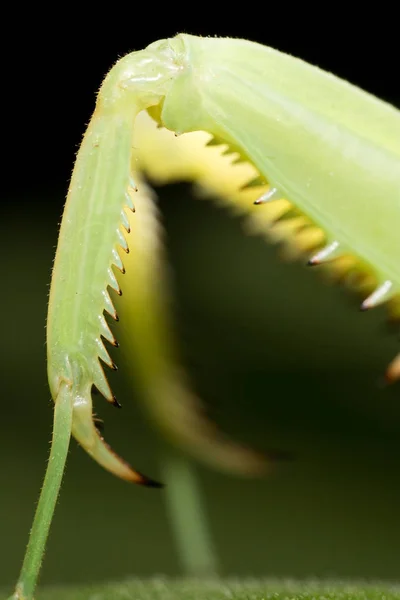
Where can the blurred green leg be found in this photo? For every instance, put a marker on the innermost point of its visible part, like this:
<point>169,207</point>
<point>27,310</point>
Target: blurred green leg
<point>48,497</point>
<point>187,515</point>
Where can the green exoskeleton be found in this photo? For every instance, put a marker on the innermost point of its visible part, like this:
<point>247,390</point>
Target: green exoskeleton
<point>323,159</point>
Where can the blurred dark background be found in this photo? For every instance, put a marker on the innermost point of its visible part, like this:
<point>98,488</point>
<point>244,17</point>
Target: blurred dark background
<point>281,358</point>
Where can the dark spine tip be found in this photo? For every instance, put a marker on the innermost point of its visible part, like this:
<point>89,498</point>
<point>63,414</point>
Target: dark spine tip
<point>114,367</point>
<point>312,263</point>
<point>115,344</point>
<point>115,403</point>
<point>151,483</point>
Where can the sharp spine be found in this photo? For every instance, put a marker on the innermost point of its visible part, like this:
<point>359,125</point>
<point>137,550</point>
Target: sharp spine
<point>269,196</point>
<point>109,306</point>
<point>117,260</point>
<point>125,221</point>
<point>122,241</point>
<point>328,253</point>
<point>381,294</point>
<point>105,331</point>
<point>115,402</point>
<point>100,381</point>
<point>132,184</point>
<point>112,281</point>
<point>102,353</point>
<point>129,201</point>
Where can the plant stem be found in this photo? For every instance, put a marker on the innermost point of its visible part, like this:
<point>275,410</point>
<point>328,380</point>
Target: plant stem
<point>48,497</point>
<point>189,521</point>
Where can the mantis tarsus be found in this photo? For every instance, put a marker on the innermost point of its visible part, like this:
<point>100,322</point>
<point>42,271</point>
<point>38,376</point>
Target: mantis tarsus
<point>323,159</point>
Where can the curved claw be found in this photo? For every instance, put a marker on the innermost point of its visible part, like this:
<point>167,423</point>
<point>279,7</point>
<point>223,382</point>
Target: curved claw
<point>86,434</point>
